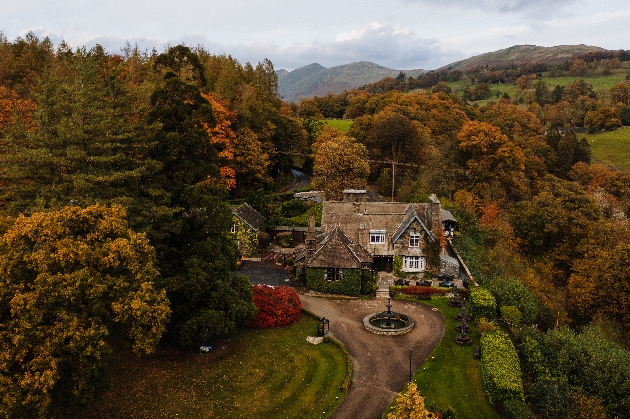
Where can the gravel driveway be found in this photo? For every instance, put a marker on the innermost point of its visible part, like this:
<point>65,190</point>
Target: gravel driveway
<point>380,363</point>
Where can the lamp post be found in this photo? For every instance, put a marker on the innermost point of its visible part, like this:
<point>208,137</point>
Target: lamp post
<point>410,352</point>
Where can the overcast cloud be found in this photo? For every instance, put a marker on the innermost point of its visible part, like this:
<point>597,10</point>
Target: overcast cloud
<point>400,34</point>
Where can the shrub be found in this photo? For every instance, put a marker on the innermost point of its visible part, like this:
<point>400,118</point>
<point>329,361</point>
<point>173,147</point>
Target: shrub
<point>500,368</point>
<point>516,409</point>
<point>484,325</point>
<point>482,304</point>
<point>422,292</point>
<point>285,240</point>
<point>277,306</point>
<point>511,315</point>
<point>512,292</point>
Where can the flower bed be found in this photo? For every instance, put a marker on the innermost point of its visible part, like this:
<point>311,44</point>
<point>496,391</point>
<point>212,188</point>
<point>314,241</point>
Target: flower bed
<point>422,292</point>
<point>277,306</point>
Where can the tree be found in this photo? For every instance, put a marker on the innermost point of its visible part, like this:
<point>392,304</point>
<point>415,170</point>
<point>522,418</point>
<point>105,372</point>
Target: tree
<point>620,93</point>
<point>340,162</point>
<point>194,252</point>
<point>409,405</point>
<point>91,144</point>
<point>74,280</point>
<point>495,164</point>
<point>603,118</point>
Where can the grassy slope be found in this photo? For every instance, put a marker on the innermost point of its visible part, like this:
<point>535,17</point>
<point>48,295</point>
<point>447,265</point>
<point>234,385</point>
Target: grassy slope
<point>611,147</point>
<point>270,373</point>
<point>451,376</point>
<point>340,124</point>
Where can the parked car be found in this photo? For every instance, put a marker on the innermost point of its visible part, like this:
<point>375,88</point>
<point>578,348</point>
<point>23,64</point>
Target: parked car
<point>447,284</point>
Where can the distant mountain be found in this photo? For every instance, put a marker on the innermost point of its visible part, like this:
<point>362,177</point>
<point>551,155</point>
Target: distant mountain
<point>315,80</point>
<point>522,54</point>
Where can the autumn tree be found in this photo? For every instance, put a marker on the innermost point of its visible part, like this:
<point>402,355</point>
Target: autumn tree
<point>74,280</point>
<point>603,118</point>
<point>409,405</point>
<point>551,224</point>
<point>620,93</point>
<point>14,109</point>
<point>494,164</point>
<point>340,162</point>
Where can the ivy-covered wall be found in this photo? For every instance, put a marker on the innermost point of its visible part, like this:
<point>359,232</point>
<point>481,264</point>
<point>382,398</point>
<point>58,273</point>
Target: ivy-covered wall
<point>350,285</point>
<point>246,236</point>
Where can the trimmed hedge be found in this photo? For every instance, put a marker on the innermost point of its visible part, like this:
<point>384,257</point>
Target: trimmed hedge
<point>422,292</point>
<point>350,285</point>
<point>500,368</point>
<point>482,304</point>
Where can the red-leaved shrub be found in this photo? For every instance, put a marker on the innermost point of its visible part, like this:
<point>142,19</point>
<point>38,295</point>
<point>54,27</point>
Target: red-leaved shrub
<point>277,306</point>
<point>421,292</point>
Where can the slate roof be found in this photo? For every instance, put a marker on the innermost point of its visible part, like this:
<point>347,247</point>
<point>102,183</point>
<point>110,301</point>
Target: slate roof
<point>413,213</point>
<point>337,250</point>
<point>447,216</point>
<point>358,218</point>
<point>249,216</point>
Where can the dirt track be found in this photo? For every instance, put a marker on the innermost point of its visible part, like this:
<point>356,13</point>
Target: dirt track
<point>380,363</point>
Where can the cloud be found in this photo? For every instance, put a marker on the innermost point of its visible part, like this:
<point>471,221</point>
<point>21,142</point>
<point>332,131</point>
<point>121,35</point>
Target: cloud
<point>389,46</point>
<point>530,8</point>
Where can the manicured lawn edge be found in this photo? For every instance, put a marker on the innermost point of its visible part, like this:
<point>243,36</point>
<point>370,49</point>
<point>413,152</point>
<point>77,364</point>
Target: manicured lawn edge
<point>329,339</point>
<point>448,362</point>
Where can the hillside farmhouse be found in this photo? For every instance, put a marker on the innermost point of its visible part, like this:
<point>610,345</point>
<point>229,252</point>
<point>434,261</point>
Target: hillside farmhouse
<point>359,237</point>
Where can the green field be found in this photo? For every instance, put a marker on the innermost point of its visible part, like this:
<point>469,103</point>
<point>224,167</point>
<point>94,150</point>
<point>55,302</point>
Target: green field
<point>271,373</point>
<point>451,376</point>
<point>598,82</point>
<point>611,148</point>
<point>340,124</point>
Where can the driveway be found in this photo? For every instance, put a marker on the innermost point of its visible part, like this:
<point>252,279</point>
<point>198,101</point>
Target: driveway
<point>380,363</point>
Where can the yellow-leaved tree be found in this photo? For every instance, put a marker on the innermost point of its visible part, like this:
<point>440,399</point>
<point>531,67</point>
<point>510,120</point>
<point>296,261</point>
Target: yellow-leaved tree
<point>410,405</point>
<point>340,162</point>
<point>73,281</point>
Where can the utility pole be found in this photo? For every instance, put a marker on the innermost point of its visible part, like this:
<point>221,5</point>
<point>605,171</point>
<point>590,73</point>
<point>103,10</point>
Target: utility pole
<point>393,178</point>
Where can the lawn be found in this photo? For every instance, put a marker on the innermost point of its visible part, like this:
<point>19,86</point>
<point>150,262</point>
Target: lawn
<point>340,124</point>
<point>611,147</point>
<point>451,376</point>
<point>271,373</point>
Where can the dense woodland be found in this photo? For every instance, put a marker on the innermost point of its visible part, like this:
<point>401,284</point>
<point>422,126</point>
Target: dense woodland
<point>116,172</point>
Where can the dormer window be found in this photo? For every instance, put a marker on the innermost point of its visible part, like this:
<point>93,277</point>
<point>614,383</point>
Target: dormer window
<point>414,239</point>
<point>377,236</point>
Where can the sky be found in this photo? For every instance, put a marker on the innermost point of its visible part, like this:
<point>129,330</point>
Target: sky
<point>398,34</point>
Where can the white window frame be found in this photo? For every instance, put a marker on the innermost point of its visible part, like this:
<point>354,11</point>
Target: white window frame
<point>414,263</point>
<point>377,236</point>
<point>234,228</point>
<point>414,239</point>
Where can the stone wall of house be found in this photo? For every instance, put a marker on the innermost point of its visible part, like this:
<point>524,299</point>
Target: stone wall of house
<point>401,246</point>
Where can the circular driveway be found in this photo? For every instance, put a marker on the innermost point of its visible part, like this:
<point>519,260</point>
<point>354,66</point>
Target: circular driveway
<point>380,363</point>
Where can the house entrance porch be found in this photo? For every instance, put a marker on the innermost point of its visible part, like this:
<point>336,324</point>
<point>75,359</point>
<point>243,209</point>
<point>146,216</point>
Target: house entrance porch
<point>383,263</point>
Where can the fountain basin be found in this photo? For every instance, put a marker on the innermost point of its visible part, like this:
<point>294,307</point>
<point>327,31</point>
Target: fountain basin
<point>382,324</point>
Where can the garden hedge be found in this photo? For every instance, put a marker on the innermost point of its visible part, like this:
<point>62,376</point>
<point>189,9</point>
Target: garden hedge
<point>482,304</point>
<point>350,285</point>
<point>500,368</point>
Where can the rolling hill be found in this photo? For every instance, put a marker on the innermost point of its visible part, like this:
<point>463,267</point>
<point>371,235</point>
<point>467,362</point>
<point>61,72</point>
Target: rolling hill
<point>316,80</point>
<point>523,54</point>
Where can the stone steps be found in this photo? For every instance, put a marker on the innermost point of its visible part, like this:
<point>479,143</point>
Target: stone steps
<point>382,293</point>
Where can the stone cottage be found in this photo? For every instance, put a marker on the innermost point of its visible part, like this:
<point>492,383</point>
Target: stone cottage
<point>360,234</point>
<point>246,223</point>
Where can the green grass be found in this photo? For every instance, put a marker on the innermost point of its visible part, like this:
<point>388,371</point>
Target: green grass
<point>451,376</point>
<point>611,148</point>
<point>271,373</point>
<point>340,124</point>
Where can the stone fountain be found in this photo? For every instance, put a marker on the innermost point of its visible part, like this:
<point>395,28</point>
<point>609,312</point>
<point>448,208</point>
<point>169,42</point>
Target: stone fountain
<point>388,322</point>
